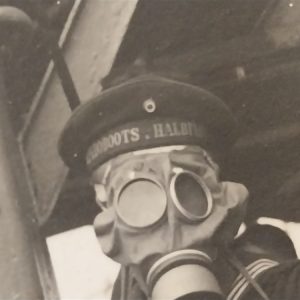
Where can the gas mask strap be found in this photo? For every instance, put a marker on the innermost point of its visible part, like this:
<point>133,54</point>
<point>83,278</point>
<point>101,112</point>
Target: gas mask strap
<point>137,275</point>
<point>124,282</point>
<point>237,264</point>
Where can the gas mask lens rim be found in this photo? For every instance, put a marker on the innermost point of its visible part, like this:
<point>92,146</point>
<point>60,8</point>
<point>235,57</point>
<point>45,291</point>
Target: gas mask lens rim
<point>148,199</point>
<point>178,202</point>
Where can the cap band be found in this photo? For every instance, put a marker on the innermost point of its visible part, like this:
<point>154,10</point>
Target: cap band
<point>144,134</point>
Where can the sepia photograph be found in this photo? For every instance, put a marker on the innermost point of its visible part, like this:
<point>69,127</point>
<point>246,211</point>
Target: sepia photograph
<point>149,149</point>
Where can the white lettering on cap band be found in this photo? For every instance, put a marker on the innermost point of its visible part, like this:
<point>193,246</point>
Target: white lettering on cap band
<point>147,133</point>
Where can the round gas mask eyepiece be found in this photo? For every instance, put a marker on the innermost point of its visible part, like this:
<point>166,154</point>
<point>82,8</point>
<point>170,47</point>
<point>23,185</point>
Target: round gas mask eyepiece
<point>191,196</point>
<point>141,203</point>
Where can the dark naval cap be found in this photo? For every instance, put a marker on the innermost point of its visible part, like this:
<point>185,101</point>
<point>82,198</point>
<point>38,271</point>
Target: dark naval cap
<point>145,112</point>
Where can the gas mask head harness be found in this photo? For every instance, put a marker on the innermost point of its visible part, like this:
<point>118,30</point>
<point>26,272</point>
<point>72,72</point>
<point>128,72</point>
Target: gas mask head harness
<point>164,212</point>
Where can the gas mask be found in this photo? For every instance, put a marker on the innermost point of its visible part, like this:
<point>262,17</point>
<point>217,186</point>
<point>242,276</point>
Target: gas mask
<point>165,214</point>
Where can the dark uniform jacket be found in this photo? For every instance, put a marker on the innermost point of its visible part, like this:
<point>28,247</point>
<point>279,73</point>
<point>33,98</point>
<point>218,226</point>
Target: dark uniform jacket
<point>278,281</point>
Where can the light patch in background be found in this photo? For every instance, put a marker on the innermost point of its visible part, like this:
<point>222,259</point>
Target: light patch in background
<point>82,271</point>
<point>241,230</point>
<point>292,229</point>
<point>274,222</point>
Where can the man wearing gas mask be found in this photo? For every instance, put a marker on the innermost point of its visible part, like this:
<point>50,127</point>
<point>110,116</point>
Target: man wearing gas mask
<point>152,147</point>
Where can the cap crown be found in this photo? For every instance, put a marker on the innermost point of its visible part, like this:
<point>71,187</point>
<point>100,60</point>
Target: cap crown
<point>138,101</point>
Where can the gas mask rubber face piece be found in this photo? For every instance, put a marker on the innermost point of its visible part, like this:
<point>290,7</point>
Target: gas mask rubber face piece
<point>164,215</point>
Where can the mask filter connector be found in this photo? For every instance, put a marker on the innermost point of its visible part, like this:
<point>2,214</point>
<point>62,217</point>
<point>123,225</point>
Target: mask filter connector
<point>187,272</point>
